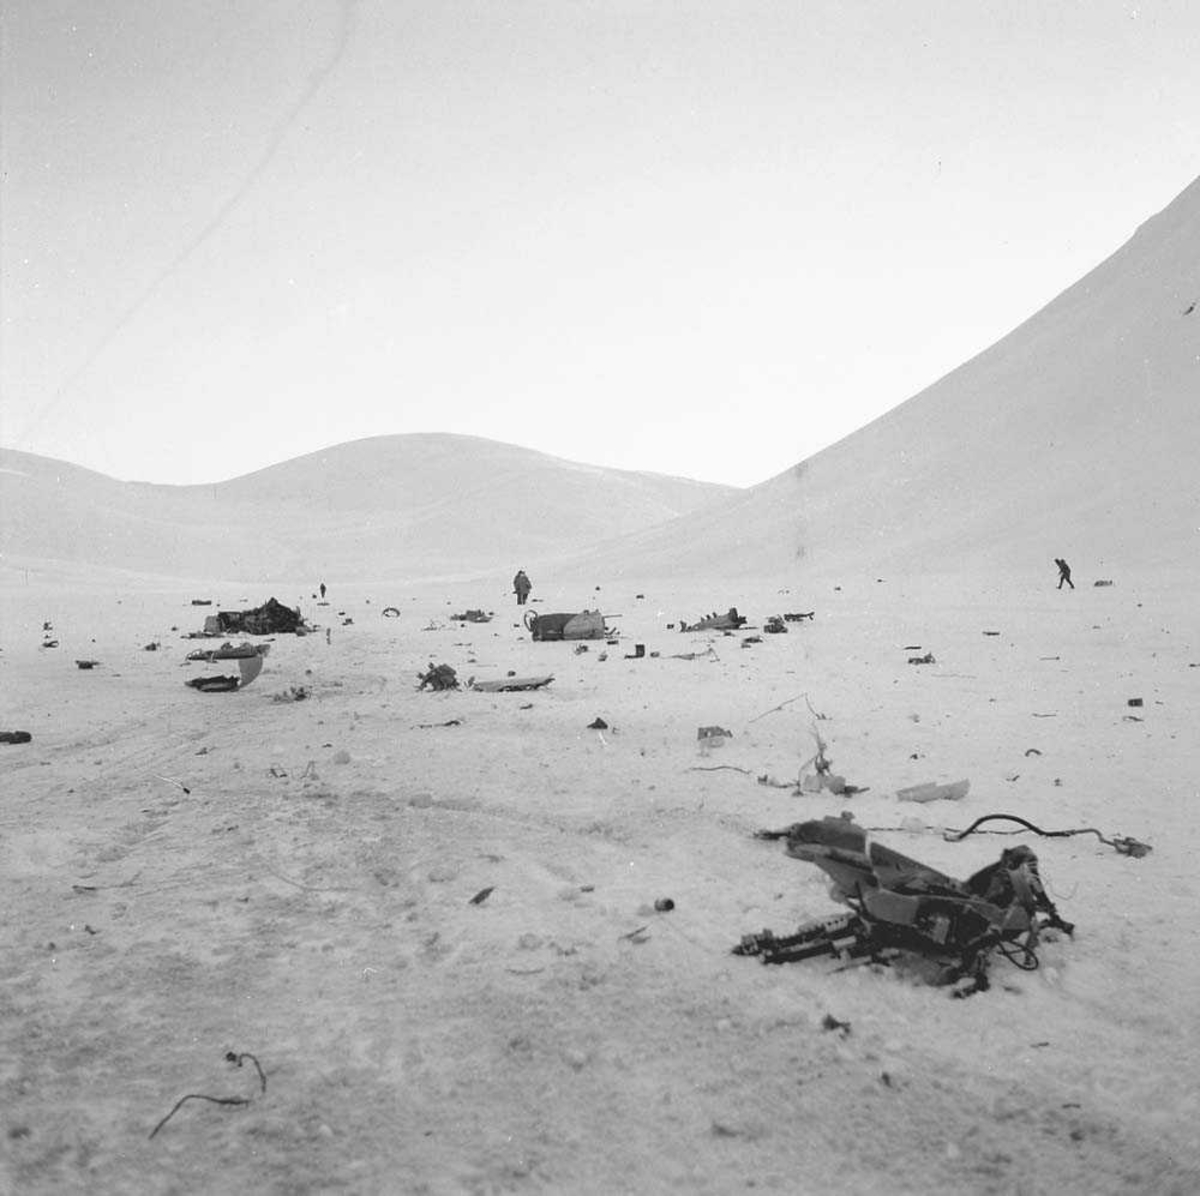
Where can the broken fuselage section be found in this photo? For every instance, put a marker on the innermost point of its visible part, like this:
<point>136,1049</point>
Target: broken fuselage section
<point>904,911</point>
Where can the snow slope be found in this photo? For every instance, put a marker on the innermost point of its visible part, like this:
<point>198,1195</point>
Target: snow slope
<point>394,506</point>
<point>1076,435</point>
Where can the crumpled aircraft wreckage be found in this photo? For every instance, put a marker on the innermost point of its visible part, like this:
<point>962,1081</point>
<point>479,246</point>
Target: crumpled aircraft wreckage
<point>905,913</point>
<point>581,625</point>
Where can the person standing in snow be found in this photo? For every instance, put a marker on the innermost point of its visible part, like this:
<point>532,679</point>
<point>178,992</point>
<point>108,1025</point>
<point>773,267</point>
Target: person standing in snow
<point>521,587</point>
<point>1064,573</point>
<point>322,591</point>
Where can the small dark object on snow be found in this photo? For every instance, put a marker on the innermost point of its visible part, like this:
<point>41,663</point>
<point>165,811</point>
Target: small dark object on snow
<point>639,650</point>
<point>928,658</point>
<point>91,664</point>
<point>775,626</point>
<point>1032,752</point>
<point>798,616</point>
<point>150,647</point>
<point>236,1060</point>
<point>482,895</point>
<point>664,905</point>
<point>202,602</point>
<point>472,616</point>
<point>597,724</point>
<point>713,733</point>
<point>1103,582</point>
<point>751,639</point>
<point>15,737</point>
<point>1135,702</point>
<point>829,1022</point>
<point>438,676</point>
<point>903,909</point>
<point>991,633</point>
<point>390,612</point>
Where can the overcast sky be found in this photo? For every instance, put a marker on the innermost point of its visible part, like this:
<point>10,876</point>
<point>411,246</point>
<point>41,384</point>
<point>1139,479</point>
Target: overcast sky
<point>702,237</point>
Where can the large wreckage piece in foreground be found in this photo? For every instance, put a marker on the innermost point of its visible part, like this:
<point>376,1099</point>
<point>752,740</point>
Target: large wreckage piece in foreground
<point>904,911</point>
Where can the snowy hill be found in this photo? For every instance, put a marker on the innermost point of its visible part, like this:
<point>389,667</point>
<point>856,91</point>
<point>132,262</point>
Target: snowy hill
<point>1076,435</point>
<point>388,507</point>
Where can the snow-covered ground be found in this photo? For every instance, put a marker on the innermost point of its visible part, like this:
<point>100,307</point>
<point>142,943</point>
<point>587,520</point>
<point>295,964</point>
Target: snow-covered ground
<point>184,874</point>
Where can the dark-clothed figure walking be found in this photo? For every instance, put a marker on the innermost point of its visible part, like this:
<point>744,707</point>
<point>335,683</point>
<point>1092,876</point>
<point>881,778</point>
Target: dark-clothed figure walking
<point>322,591</point>
<point>521,587</point>
<point>1064,573</point>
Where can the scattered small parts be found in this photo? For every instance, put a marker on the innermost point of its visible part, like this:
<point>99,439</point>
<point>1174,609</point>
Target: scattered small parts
<point>15,737</point>
<point>954,791</point>
<point>582,625</point>
<point>729,621</point>
<point>928,658</point>
<point>438,676</point>
<point>510,684</point>
<point>775,625</point>
<point>902,911</point>
<point>597,724</point>
<point>580,649</point>
<point>230,1057</point>
<point>294,693</point>
<point>471,616</point>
